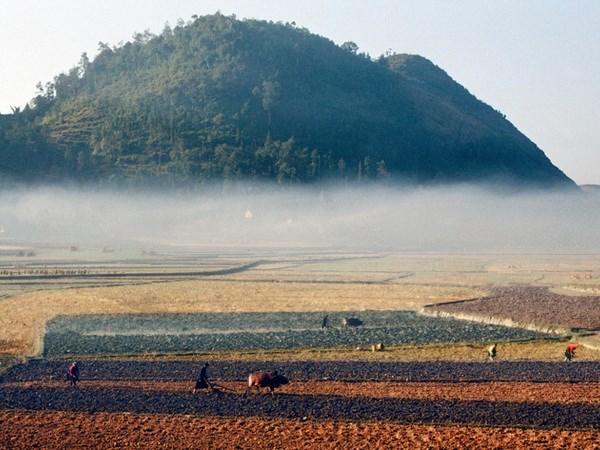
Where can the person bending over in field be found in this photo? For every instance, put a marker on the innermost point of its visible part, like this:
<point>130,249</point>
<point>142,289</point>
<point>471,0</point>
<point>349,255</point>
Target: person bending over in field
<point>202,381</point>
<point>73,375</point>
<point>492,351</point>
<point>570,352</point>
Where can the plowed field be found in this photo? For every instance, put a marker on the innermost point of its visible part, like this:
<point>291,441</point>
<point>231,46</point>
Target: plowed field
<point>50,429</point>
<point>531,304</point>
<point>146,404</point>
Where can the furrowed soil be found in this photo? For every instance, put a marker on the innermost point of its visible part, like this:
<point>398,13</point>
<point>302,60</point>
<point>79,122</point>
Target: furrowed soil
<point>531,304</point>
<point>563,393</point>
<point>410,396</point>
<point>50,429</point>
<point>539,395</point>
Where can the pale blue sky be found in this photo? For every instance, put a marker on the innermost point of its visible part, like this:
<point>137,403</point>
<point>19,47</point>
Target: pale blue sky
<point>536,61</point>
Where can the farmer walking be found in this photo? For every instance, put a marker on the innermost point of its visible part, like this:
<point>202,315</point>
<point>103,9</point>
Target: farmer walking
<point>73,375</point>
<point>202,381</point>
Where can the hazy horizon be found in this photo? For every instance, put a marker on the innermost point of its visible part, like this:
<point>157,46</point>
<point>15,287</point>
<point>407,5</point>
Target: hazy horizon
<point>376,218</point>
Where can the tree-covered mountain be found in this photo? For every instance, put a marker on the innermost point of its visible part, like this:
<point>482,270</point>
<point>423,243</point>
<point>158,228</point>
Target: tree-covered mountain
<point>219,98</point>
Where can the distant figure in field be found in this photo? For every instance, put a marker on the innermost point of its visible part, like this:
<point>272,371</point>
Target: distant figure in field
<point>378,347</point>
<point>492,351</point>
<point>202,381</point>
<point>325,321</point>
<point>570,352</point>
<point>351,322</point>
<point>73,375</point>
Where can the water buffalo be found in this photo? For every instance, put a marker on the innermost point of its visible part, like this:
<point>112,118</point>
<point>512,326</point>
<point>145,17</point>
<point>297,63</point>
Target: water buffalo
<point>351,322</point>
<point>269,380</point>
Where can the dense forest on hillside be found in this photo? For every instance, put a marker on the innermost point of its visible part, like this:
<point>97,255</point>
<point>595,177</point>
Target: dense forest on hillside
<point>219,98</point>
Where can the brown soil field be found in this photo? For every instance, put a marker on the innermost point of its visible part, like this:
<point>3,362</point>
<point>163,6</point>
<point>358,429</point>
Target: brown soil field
<point>149,405</point>
<point>528,394</point>
<point>564,393</point>
<point>532,304</point>
<point>67,430</point>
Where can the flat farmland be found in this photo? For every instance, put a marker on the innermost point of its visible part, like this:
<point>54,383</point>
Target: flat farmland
<point>327,405</point>
<point>262,310</point>
<point>186,284</point>
<point>62,282</point>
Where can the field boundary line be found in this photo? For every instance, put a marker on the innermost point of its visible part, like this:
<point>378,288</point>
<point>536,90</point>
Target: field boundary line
<point>230,270</point>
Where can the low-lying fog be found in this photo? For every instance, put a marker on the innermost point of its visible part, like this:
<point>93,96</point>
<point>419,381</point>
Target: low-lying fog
<point>374,218</point>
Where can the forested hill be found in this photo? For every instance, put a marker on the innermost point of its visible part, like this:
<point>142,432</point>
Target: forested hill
<point>218,98</point>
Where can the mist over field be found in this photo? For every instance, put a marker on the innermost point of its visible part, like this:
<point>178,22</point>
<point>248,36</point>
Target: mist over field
<point>379,218</point>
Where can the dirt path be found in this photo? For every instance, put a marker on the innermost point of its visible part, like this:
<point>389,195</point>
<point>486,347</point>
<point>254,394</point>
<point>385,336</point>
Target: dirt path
<point>133,275</point>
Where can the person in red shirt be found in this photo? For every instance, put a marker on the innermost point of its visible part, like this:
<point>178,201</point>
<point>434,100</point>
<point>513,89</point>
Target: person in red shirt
<point>73,375</point>
<point>570,352</point>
